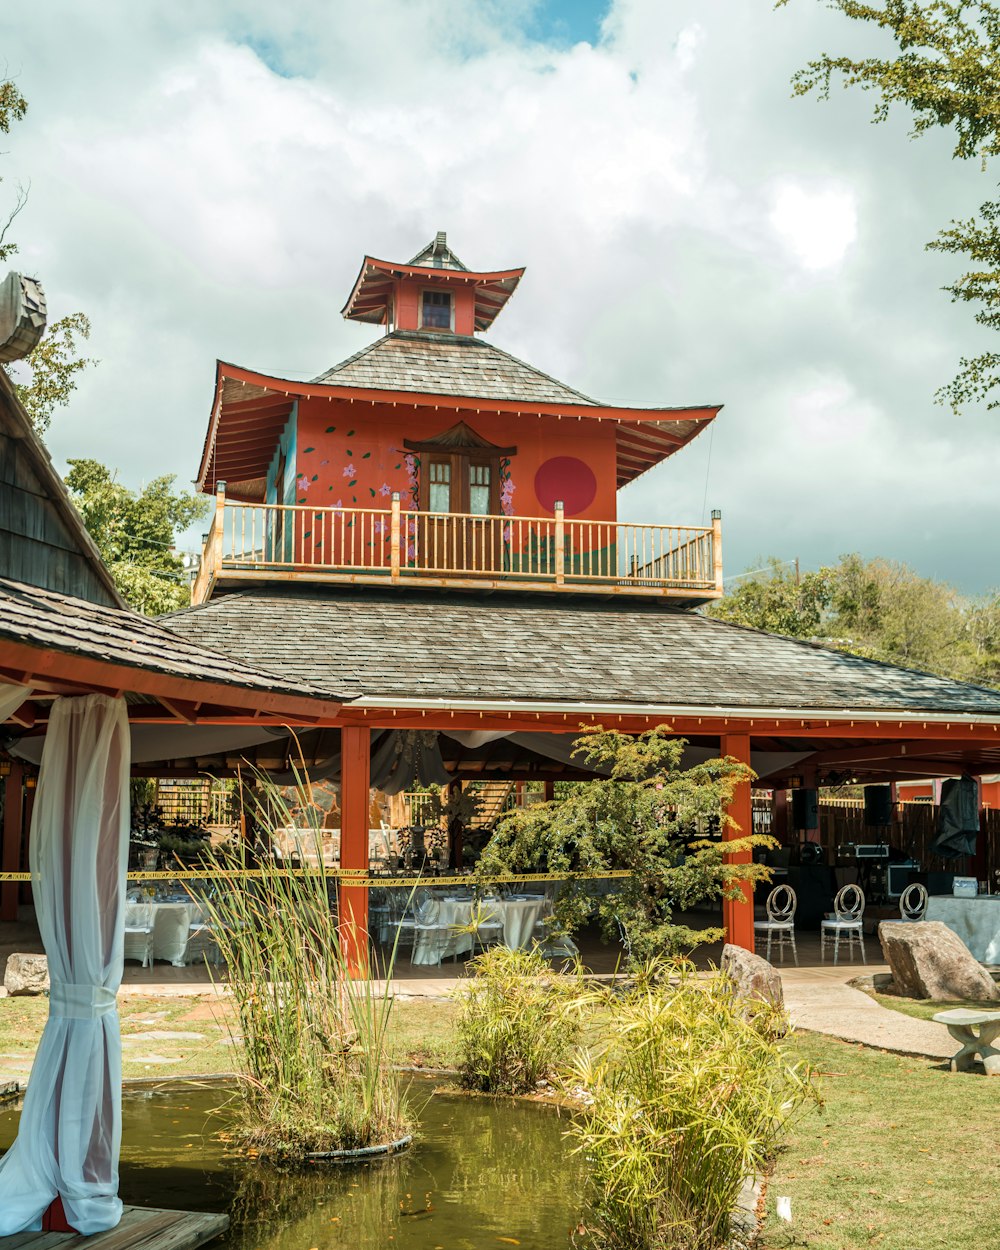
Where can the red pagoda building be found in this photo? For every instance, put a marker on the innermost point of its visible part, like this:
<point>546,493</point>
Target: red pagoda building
<point>432,457</point>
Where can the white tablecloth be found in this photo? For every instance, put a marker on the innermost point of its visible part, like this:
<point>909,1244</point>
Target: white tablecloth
<point>975,920</point>
<point>520,916</point>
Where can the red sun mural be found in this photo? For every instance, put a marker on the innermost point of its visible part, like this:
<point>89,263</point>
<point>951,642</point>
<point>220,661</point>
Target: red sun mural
<point>568,479</point>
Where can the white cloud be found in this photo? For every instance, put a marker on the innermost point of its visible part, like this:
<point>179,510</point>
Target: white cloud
<point>206,178</point>
<point>816,224</point>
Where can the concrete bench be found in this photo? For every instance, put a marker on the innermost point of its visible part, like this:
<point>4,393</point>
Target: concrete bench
<point>962,1025</point>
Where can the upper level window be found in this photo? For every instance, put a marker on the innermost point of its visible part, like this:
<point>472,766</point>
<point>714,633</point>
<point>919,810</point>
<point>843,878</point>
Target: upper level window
<point>436,310</point>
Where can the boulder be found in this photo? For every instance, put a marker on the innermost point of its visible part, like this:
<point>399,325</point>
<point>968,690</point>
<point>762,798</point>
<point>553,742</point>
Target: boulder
<point>754,977</point>
<point>928,960</point>
<point>26,974</point>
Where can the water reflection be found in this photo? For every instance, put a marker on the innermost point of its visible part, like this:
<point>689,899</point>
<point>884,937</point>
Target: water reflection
<point>480,1171</point>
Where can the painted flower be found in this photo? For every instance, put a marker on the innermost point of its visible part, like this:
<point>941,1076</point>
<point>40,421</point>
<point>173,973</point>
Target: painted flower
<point>303,482</point>
<point>385,489</point>
<point>506,533</point>
<point>411,550</point>
<point>349,470</point>
<point>377,527</point>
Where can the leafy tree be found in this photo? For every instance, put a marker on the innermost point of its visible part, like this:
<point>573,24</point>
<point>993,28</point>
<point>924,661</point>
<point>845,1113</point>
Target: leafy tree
<point>54,364</point>
<point>780,602</point>
<point>649,818</point>
<point>13,106</point>
<point>135,533</point>
<point>947,72</point>
<point>879,609</point>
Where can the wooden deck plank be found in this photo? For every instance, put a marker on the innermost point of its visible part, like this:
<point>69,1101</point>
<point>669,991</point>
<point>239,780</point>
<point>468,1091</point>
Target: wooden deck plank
<point>141,1228</point>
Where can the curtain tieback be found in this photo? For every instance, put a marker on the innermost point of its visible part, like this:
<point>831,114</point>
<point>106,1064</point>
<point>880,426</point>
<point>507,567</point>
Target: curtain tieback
<point>80,1002</point>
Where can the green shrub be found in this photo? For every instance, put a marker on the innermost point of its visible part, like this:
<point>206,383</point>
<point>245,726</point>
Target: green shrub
<point>312,1041</point>
<point>517,1021</point>
<point>687,1095</point>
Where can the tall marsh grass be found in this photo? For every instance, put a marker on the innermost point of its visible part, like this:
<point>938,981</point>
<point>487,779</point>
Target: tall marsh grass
<point>686,1095</point>
<point>517,1023</point>
<point>311,1041</point>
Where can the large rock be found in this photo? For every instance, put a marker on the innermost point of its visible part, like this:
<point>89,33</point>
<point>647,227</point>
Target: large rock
<point>928,960</point>
<point>754,977</point>
<point>26,974</point>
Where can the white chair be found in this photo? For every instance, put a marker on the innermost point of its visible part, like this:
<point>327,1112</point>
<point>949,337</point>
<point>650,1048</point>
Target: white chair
<point>170,932</point>
<point>846,922</point>
<point>139,932</point>
<point>779,927</point>
<point>431,938</point>
<point>913,902</point>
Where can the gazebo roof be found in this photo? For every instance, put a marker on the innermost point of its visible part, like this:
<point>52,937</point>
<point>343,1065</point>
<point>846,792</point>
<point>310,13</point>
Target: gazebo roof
<point>448,646</point>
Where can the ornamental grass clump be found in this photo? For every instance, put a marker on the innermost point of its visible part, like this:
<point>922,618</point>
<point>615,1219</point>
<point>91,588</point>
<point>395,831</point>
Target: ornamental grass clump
<point>686,1095</point>
<point>311,1040</point>
<point>518,1021</point>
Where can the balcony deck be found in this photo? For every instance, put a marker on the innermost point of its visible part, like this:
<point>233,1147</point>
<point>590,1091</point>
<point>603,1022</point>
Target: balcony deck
<point>375,547</point>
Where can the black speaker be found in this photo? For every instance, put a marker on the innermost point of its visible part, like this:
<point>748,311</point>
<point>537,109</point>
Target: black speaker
<point>878,806</point>
<point>805,809</point>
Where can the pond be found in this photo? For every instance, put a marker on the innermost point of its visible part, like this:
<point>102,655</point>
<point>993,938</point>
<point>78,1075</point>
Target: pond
<point>480,1174</point>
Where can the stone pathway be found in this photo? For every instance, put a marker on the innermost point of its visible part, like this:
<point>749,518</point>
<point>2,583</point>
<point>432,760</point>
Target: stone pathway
<point>819,999</point>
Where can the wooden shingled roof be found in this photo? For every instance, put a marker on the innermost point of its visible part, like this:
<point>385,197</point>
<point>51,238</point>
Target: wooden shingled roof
<point>440,370</point>
<point>447,647</point>
<point>45,636</point>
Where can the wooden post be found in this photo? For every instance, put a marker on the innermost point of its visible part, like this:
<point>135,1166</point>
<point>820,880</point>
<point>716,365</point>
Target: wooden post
<point>13,825</point>
<point>560,543</point>
<point>550,790</point>
<point>717,548</point>
<point>737,914</point>
<point>355,785</point>
<point>394,528</point>
<point>220,521</point>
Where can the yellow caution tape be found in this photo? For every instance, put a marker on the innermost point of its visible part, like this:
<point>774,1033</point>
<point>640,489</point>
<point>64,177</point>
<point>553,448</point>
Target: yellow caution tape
<point>351,876</point>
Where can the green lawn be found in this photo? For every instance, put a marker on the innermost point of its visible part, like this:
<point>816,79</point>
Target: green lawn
<point>421,1034</point>
<point>901,1156</point>
<point>925,1009</point>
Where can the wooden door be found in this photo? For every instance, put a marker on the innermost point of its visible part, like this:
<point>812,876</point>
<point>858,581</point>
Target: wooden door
<point>461,531</point>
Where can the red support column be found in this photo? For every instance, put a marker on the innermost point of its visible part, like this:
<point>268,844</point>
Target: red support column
<point>13,825</point>
<point>355,786</point>
<point>737,914</point>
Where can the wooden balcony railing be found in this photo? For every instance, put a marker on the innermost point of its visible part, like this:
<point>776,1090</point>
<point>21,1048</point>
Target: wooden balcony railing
<point>393,546</point>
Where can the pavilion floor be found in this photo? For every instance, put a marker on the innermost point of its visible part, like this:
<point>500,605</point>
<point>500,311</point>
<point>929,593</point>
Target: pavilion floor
<point>599,957</point>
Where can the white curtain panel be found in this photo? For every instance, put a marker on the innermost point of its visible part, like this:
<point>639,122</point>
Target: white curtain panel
<point>70,1130</point>
<point>11,698</point>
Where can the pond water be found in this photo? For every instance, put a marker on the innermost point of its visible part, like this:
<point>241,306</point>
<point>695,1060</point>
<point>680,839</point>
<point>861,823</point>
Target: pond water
<point>480,1174</point>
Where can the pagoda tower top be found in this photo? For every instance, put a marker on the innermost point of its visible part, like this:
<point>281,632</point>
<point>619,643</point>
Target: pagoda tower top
<point>434,292</point>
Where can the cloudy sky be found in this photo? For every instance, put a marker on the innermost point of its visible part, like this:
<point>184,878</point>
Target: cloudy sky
<point>205,178</point>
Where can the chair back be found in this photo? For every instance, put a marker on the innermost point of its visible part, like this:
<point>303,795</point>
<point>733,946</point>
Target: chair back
<point>139,916</point>
<point>913,901</point>
<point>426,911</point>
<point>781,904</point>
<point>849,904</point>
